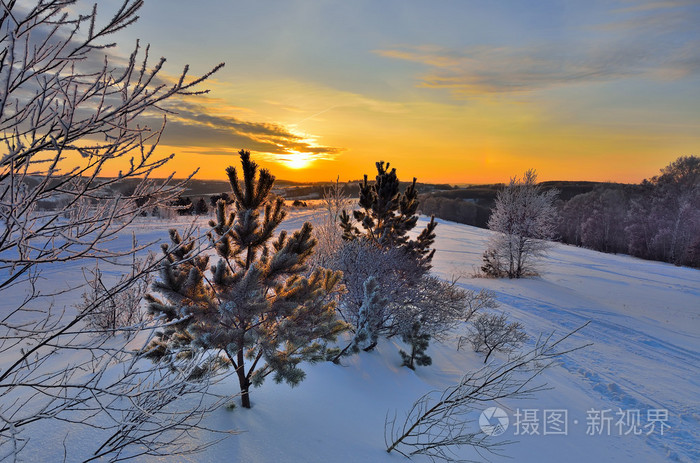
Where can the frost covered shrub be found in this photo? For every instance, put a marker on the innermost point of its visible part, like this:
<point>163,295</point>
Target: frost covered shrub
<point>492,332</point>
<point>121,311</point>
<point>386,293</point>
<point>524,218</point>
<point>367,270</point>
<point>327,231</point>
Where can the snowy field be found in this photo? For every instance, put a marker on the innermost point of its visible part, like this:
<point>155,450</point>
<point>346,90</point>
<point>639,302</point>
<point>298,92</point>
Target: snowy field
<point>645,356</point>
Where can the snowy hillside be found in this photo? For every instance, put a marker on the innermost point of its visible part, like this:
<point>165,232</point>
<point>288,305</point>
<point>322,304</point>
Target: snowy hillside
<point>646,356</point>
<point>645,330</point>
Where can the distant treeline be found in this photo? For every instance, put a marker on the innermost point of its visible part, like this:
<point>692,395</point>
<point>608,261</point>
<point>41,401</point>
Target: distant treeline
<point>351,188</point>
<point>472,205</point>
<point>658,219</point>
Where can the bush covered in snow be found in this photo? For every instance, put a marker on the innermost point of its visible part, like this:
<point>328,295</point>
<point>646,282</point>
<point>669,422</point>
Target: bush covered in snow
<point>524,218</point>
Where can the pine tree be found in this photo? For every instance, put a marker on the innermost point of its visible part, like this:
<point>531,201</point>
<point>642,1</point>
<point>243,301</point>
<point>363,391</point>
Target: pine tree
<point>213,199</point>
<point>254,307</point>
<point>418,341</point>
<point>387,215</point>
<point>378,244</point>
<point>201,207</point>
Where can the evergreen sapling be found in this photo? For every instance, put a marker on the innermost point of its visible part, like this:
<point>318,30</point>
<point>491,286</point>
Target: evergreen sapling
<point>418,341</point>
<point>255,309</point>
<point>386,216</point>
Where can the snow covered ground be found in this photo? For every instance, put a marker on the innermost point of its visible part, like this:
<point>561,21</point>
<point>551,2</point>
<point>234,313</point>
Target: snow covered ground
<point>645,330</point>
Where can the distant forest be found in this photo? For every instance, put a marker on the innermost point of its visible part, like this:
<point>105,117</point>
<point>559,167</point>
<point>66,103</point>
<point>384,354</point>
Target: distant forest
<point>658,219</point>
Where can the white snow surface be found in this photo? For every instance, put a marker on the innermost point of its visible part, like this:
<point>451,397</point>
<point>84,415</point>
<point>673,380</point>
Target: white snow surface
<point>645,330</point>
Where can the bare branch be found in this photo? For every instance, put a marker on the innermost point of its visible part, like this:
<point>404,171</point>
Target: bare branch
<point>69,110</point>
<point>439,423</point>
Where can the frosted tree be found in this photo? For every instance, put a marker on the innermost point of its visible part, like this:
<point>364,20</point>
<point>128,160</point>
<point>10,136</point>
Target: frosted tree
<point>326,229</point>
<point>524,218</point>
<point>254,310</point>
<point>370,320</point>
<point>604,226</point>
<point>71,112</point>
<point>494,333</point>
<point>118,312</point>
<point>379,250</point>
<point>658,219</point>
<point>663,222</point>
<point>572,214</point>
<point>335,201</point>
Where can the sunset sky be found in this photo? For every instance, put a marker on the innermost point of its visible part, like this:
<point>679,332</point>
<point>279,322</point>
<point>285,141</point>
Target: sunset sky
<point>451,91</point>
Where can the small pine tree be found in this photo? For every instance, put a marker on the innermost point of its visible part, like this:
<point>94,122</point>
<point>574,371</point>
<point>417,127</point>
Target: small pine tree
<point>255,308</point>
<point>201,207</point>
<point>492,265</point>
<point>386,216</point>
<point>419,342</point>
<point>370,319</point>
<point>214,199</point>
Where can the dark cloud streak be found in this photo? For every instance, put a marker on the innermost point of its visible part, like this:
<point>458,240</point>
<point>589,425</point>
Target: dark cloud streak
<point>194,124</point>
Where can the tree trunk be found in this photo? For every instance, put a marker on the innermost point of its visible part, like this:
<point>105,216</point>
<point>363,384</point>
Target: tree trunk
<point>413,356</point>
<point>243,380</point>
<point>336,359</point>
<point>245,396</point>
<point>244,384</point>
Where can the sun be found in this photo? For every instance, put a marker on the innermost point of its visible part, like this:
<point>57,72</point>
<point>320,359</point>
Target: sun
<point>296,160</point>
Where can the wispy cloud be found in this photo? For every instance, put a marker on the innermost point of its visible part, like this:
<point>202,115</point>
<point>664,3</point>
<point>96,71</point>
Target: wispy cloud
<point>650,39</point>
<point>654,6</point>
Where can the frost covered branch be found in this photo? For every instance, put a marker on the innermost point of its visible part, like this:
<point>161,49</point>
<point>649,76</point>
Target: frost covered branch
<point>71,112</point>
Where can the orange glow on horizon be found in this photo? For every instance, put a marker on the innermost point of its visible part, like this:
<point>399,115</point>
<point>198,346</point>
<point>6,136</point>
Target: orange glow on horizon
<point>484,141</point>
<point>489,168</point>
